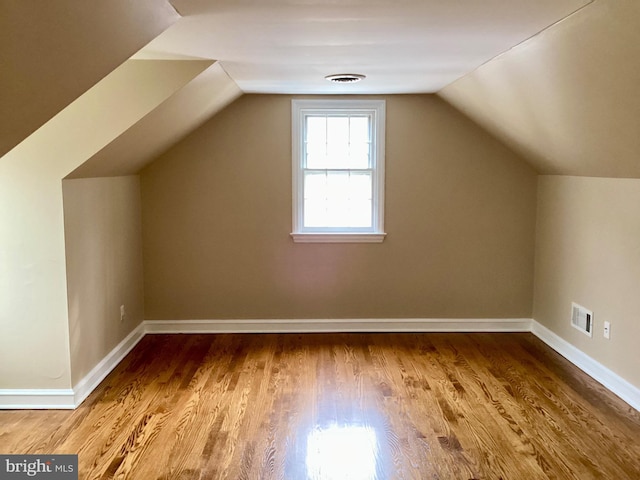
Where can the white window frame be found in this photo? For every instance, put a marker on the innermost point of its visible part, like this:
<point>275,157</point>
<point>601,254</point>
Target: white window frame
<point>300,109</point>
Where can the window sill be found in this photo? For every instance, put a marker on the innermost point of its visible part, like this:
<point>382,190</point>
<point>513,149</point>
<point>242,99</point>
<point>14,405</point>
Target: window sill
<point>338,237</point>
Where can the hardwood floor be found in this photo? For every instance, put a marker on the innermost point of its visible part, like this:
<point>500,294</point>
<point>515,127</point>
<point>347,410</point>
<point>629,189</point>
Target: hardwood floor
<point>340,406</point>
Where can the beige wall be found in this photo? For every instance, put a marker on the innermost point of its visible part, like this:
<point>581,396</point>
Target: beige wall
<point>588,251</point>
<point>567,99</point>
<point>460,218</point>
<point>34,342</point>
<point>54,51</point>
<point>103,237</point>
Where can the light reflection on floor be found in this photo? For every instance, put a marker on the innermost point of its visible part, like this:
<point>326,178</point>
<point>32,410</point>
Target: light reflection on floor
<point>348,452</point>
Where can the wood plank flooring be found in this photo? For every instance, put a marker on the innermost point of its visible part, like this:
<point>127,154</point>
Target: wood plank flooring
<point>340,406</point>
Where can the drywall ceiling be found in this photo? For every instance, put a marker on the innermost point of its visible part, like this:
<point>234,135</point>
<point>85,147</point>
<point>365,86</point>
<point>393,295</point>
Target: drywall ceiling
<point>568,99</point>
<point>51,52</point>
<point>178,115</point>
<point>403,46</point>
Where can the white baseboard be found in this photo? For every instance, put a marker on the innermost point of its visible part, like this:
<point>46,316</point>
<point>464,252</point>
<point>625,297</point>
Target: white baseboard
<point>41,399</point>
<point>71,398</point>
<point>89,383</point>
<point>37,399</point>
<point>373,325</point>
<point>591,367</point>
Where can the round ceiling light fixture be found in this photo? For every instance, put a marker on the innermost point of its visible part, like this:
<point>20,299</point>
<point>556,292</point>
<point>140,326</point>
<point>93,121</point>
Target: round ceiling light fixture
<point>345,77</point>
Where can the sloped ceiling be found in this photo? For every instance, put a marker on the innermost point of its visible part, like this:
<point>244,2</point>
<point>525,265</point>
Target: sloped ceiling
<point>184,111</point>
<point>403,46</point>
<point>53,51</point>
<point>288,46</point>
<point>565,98</point>
<point>94,119</point>
<point>569,98</point>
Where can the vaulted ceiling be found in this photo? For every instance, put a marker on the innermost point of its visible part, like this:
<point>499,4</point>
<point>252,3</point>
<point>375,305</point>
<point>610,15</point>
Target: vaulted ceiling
<point>52,52</point>
<point>402,46</point>
<point>554,79</point>
<point>569,99</point>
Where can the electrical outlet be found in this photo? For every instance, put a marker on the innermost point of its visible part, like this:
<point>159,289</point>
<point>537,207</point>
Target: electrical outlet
<point>607,330</point>
<point>123,313</point>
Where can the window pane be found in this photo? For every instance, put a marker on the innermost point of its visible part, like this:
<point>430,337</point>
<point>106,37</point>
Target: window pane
<point>360,186</point>
<point>337,199</point>
<point>317,147</point>
<point>337,156</point>
<point>360,213</point>
<point>315,185</point>
<point>359,130</point>
<point>316,130</point>
<point>337,212</point>
<point>359,141</point>
<point>316,160</point>
<point>316,142</point>
<point>315,213</point>
<point>338,130</point>
<point>338,186</point>
<point>337,142</point>
<point>359,156</point>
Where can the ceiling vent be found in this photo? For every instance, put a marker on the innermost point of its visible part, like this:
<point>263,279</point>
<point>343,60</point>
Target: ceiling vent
<point>345,78</point>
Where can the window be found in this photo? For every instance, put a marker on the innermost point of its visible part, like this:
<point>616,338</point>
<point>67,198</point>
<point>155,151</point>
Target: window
<point>338,170</point>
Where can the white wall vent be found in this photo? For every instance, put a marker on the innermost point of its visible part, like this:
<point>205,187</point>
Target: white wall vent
<point>582,319</point>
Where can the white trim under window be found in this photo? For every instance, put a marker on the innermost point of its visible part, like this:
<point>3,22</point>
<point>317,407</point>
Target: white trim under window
<point>338,170</point>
